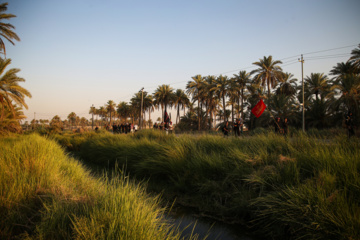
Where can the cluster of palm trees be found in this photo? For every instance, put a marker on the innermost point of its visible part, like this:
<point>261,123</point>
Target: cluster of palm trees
<point>12,95</point>
<point>211,99</point>
<point>163,97</point>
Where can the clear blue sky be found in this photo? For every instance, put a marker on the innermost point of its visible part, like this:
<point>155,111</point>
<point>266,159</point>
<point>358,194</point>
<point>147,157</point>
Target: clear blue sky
<point>75,53</point>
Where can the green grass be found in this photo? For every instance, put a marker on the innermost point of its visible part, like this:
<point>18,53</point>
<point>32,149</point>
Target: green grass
<point>300,186</point>
<point>45,194</point>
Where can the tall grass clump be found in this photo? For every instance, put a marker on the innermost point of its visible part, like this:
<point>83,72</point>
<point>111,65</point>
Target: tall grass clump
<point>307,184</point>
<point>45,194</point>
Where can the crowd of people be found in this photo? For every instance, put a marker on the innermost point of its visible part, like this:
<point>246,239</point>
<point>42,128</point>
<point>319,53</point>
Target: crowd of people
<point>124,128</point>
<point>238,127</point>
<point>281,127</point>
<point>120,128</point>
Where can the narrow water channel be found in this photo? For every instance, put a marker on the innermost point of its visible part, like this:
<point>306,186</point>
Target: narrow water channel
<point>207,229</point>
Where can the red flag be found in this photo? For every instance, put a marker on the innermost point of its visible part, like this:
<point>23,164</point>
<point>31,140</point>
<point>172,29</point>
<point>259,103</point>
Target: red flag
<point>166,117</point>
<point>259,108</point>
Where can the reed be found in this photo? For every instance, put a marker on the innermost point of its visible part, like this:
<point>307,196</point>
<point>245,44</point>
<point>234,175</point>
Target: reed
<point>46,194</point>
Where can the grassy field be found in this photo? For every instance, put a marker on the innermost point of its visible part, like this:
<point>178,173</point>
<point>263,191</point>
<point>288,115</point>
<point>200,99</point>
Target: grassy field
<point>301,187</point>
<point>46,194</point>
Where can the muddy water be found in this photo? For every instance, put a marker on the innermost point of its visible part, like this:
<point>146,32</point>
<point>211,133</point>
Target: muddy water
<point>207,229</point>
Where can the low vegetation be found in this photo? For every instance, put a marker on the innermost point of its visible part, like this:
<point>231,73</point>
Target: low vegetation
<point>45,194</point>
<point>296,187</point>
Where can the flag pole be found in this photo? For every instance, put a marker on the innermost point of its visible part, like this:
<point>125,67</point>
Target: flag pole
<point>274,119</point>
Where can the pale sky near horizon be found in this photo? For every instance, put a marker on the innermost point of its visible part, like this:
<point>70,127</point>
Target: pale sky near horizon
<point>76,53</point>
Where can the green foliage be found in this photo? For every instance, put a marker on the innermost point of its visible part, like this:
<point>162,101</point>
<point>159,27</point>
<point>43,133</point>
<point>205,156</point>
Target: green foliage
<point>300,186</point>
<point>44,194</point>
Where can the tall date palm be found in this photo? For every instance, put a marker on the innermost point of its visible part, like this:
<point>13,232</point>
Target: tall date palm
<point>6,29</point>
<point>243,79</point>
<point>220,88</point>
<point>180,100</point>
<point>316,84</point>
<point>195,88</point>
<point>269,72</point>
<point>164,97</point>
<point>10,90</point>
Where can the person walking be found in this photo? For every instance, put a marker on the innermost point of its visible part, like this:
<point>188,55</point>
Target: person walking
<point>226,129</point>
<point>350,124</point>
<point>277,125</point>
<point>285,126</point>
<point>237,128</point>
<point>241,122</point>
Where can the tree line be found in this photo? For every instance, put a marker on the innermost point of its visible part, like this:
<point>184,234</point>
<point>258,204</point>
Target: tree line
<point>209,100</point>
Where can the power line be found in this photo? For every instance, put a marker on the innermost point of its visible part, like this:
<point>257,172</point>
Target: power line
<point>332,49</point>
<point>329,56</point>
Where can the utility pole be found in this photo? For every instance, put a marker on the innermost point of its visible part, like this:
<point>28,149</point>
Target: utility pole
<point>303,92</point>
<point>92,124</point>
<point>141,111</point>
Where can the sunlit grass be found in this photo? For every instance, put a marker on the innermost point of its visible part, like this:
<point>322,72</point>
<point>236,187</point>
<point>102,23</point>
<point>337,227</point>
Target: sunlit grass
<point>45,194</point>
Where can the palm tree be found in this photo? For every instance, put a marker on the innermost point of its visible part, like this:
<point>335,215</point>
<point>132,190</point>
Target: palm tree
<point>123,110</point>
<point>181,100</point>
<point>233,94</point>
<point>135,103</point>
<point>148,105</point>
<point>283,105</point>
<point>6,29</point>
<point>56,122</point>
<point>287,85</point>
<point>72,118</point>
<point>355,58</point>
<point>318,113</point>
<point>343,68</point>
<point>11,122</point>
<point>347,89</point>
<point>164,97</point>
<point>9,88</point>
<point>268,73</point>
<point>83,122</point>
<point>242,80</point>
<point>211,101</point>
<point>102,111</point>
<point>195,88</point>
<point>110,107</point>
<point>221,89</point>
<point>316,84</point>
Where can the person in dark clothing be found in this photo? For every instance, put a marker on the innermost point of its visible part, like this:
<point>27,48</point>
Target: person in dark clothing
<point>237,128</point>
<point>349,124</point>
<point>277,125</point>
<point>285,126</point>
<point>226,129</point>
